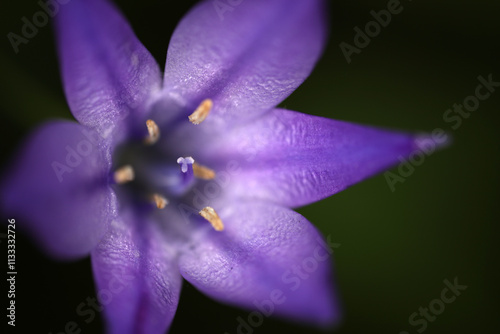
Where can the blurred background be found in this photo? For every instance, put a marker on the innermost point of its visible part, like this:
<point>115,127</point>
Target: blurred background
<point>396,247</point>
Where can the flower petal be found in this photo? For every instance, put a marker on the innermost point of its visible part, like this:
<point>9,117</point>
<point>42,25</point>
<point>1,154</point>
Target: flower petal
<point>247,56</point>
<point>107,72</point>
<point>268,259</point>
<point>58,188</point>
<point>294,159</point>
<point>137,277</point>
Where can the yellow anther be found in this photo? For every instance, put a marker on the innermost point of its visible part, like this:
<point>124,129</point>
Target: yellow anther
<point>209,214</point>
<point>160,201</point>
<point>203,172</point>
<point>153,132</point>
<point>124,174</point>
<point>201,112</point>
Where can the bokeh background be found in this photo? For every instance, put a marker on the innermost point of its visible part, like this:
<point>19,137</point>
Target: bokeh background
<point>396,247</point>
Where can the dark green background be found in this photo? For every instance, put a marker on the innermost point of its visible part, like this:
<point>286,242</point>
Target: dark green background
<point>396,247</point>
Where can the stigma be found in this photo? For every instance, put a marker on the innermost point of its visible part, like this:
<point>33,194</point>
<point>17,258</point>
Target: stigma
<point>213,218</point>
<point>184,162</point>
<point>153,132</point>
<point>124,174</point>
<point>201,112</point>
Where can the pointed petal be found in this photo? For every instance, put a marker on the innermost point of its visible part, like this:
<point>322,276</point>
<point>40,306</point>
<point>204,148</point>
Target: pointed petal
<point>137,278</point>
<point>268,259</point>
<point>58,188</point>
<point>107,72</point>
<point>247,56</point>
<point>294,159</point>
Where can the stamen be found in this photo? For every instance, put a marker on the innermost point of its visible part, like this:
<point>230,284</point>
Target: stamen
<point>124,174</point>
<point>201,112</point>
<point>160,201</point>
<point>154,132</point>
<point>209,214</point>
<point>203,172</point>
<point>184,162</point>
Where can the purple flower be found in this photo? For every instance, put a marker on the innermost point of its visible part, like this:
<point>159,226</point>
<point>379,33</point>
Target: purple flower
<point>193,175</point>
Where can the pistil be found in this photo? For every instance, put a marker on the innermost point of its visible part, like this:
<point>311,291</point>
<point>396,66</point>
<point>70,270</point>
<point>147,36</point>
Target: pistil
<point>184,162</point>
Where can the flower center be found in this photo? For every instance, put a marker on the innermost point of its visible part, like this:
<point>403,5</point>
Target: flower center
<point>148,176</point>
